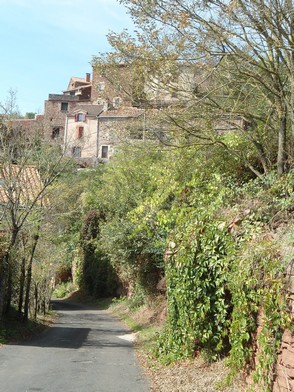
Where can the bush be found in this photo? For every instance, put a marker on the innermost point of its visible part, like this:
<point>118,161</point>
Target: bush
<point>64,289</point>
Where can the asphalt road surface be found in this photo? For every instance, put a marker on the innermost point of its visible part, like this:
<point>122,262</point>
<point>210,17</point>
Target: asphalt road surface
<point>85,351</point>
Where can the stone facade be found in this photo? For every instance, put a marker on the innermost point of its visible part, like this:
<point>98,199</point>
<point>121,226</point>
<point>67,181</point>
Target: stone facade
<point>92,134</point>
<point>59,105</point>
<point>115,129</point>
<point>81,134</point>
<point>56,108</point>
<point>115,91</point>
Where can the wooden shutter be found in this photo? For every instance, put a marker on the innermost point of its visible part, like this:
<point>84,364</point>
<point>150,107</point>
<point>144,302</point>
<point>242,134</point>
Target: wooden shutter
<point>80,132</point>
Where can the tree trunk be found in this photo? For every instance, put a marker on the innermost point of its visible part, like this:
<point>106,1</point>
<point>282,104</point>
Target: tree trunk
<point>9,291</point>
<point>5,270</point>
<point>29,279</point>
<point>21,285</point>
<point>36,301</point>
<point>281,159</point>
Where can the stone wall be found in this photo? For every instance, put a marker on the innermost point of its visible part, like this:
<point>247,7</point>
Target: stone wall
<point>284,374</point>
<point>54,117</point>
<point>104,90</point>
<point>285,365</point>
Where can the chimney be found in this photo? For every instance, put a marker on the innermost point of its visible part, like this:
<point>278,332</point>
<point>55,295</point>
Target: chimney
<point>88,78</point>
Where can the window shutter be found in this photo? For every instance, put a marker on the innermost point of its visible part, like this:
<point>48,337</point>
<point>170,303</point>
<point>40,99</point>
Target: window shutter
<point>80,132</point>
<point>76,117</point>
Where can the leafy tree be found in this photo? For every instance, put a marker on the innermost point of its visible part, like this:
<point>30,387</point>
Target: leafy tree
<point>30,115</point>
<point>98,277</point>
<point>230,67</point>
<point>28,168</point>
<point>124,185</point>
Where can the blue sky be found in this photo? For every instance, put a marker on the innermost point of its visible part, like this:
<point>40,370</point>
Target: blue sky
<point>45,42</point>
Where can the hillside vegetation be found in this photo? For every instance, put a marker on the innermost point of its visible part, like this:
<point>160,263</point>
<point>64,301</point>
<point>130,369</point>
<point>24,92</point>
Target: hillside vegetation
<point>199,229</point>
<point>198,211</point>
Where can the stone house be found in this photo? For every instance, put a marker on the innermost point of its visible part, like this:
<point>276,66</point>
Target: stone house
<point>92,132</point>
<point>116,127</point>
<point>91,118</point>
<point>114,91</point>
<point>81,133</point>
<point>59,105</point>
<point>94,116</point>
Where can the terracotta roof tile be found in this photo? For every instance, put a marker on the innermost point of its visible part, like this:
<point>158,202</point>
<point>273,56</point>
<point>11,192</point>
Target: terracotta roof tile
<point>21,185</point>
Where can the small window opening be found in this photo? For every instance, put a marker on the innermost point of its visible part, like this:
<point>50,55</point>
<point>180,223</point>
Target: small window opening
<point>101,86</point>
<point>116,102</point>
<point>64,106</point>
<point>104,152</point>
<point>76,152</point>
<point>55,133</point>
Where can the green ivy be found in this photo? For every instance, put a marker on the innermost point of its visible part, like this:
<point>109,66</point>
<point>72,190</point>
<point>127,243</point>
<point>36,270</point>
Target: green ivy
<point>198,301</point>
<point>257,285</point>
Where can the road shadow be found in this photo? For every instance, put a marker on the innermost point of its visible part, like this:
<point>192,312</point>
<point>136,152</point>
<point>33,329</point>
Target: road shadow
<point>80,301</point>
<point>79,326</point>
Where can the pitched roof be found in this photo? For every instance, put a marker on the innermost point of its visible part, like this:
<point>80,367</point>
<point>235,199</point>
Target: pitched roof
<point>79,88</point>
<point>92,110</point>
<point>75,82</point>
<point>127,112</point>
<point>20,185</point>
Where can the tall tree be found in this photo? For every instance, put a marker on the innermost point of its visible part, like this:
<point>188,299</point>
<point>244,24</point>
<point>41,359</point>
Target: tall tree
<point>27,169</point>
<point>229,65</point>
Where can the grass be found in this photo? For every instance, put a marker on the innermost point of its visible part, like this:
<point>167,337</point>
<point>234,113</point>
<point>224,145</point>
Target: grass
<point>138,320</point>
<point>64,289</point>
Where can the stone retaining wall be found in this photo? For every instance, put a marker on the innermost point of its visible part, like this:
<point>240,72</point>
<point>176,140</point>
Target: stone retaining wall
<point>284,377</point>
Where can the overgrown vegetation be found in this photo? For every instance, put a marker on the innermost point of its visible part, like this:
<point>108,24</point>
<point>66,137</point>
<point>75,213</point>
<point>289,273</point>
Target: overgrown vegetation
<point>29,167</point>
<point>203,216</point>
<point>208,208</point>
<point>216,237</point>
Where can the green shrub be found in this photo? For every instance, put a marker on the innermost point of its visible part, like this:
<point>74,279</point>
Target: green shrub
<point>64,289</point>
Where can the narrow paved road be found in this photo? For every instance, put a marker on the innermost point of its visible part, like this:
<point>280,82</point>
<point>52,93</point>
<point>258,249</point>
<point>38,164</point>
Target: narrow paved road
<point>85,351</point>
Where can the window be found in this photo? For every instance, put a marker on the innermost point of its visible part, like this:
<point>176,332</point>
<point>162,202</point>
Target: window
<point>116,102</point>
<point>64,106</point>
<point>80,132</point>
<point>80,117</point>
<point>104,152</point>
<point>101,86</point>
<point>76,152</point>
<point>55,133</point>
